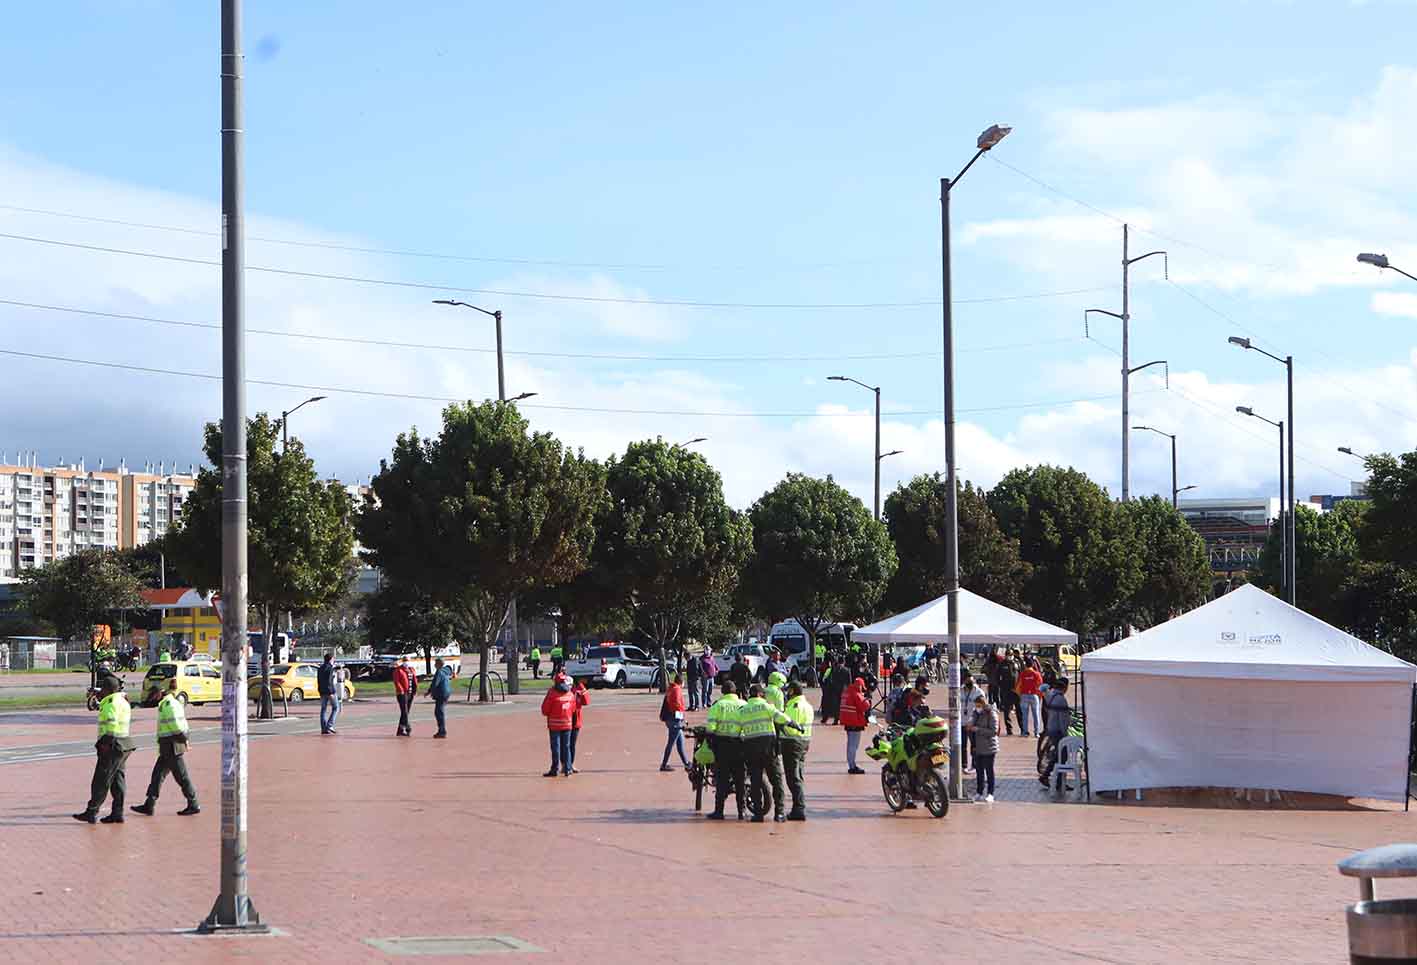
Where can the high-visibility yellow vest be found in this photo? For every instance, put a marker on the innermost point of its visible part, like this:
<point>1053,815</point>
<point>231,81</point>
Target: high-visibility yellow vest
<point>536,653</point>
<point>723,717</point>
<point>114,715</point>
<point>556,653</point>
<point>800,713</point>
<point>171,717</point>
<point>773,694</point>
<point>820,650</point>
<point>758,718</point>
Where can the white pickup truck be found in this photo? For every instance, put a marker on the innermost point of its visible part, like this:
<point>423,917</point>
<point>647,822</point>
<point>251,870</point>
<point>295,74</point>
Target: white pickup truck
<point>615,665</point>
<point>757,655</point>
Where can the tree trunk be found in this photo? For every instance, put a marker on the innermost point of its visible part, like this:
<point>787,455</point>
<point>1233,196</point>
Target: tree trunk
<point>266,709</point>
<point>484,652</point>
<point>427,660</point>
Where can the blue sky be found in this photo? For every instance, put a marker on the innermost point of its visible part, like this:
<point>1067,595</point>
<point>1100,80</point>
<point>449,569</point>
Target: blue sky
<point>793,156</point>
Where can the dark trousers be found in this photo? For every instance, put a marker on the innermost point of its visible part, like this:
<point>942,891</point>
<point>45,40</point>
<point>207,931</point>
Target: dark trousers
<point>695,688</point>
<point>984,773</point>
<point>708,692</point>
<point>560,751</point>
<point>169,760</point>
<point>440,715</point>
<point>405,705</point>
<point>758,753</point>
<point>536,669</point>
<point>729,774</point>
<point>575,732</point>
<point>779,798</point>
<point>794,755</point>
<point>109,775</point>
<point>1010,703</point>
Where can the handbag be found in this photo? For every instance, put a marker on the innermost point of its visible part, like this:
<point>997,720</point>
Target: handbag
<point>665,714</point>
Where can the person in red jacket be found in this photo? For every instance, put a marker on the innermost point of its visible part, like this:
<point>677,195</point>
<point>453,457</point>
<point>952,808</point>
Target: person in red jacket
<point>672,713</point>
<point>559,708</point>
<point>854,710</point>
<point>582,696</point>
<point>405,687</point>
<point>1030,702</point>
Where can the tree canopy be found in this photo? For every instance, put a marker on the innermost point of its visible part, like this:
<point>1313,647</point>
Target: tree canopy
<point>79,591</point>
<point>1175,568</point>
<point>399,613</point>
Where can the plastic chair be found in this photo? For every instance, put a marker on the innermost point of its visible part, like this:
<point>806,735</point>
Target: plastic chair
<point>1070,761</point>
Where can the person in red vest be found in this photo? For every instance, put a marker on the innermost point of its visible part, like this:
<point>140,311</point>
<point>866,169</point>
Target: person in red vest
<point>582,696</point>
<point>405,687</point>
<point>855,708</point>
<point>559,708</point>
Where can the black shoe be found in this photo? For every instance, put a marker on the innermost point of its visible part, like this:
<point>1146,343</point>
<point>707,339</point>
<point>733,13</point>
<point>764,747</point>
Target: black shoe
<point>114,818</point>
<point>711,816</point>
<point>575,770</point>
<point>855,770</point>
<point>189,810</point>
<point>88,817</point>
<point>145,808</point>
<point>742,816</point>
<point>757,819</point>
<point>550,773</point>
<point>797,816</point>
<point>665,767</point>
<point>910,805</point>
<point>778,819</point>
<point>440,737</point>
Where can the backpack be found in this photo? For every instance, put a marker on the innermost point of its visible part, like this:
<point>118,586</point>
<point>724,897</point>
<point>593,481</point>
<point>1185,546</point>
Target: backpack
<point>665,714</point>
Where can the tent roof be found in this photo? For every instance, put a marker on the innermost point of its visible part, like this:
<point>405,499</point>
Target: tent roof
<point>1249,634</point>
<point>980,621</point>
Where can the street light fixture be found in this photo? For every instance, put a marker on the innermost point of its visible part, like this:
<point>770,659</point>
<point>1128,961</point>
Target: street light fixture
<point>524,395</point>
<point>285,420</point>
<point>1184,489</point>
<point>685,445</point>
<point>1285,542</point>
<point>1290,537</point>
<point>497,316</point>
<point>876,512</point>
<point>988,139</point>
<point>1175,493</point>
<point>1349,452</point>
<point>1380,261</point>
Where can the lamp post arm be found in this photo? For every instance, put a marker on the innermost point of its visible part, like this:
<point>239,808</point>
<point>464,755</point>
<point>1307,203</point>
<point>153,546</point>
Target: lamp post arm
<point>977,155</point>
<point>1165,261</point>
<point>1087,333</point>
<point>1401,272</point>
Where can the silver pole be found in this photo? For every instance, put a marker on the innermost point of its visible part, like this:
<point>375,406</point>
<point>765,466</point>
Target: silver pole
<point>951,503</point>
<point>514,686</point>
<point>878,455</point>
<point>1283,523</point>
<point>1293,508</point>
<point>1126,376</point>
<point>233,909</point>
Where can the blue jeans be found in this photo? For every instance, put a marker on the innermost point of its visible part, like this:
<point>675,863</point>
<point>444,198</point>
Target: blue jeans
<point>571,748</point>
<point>708,691</point>
<point>675,741</point>
<point>560,751</point>
<point>695,688</point>
<point>1030,709</point>
<point>438,706</point>
<point>329,710</point>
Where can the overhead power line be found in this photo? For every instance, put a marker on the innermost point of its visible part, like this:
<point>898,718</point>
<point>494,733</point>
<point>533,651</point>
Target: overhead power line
<point>592,356</point>
<point>552,296</point>
<point>374,393</point>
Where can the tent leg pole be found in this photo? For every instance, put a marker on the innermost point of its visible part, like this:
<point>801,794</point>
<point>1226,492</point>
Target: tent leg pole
<point>1087,760</point>
<point>1407,798</point>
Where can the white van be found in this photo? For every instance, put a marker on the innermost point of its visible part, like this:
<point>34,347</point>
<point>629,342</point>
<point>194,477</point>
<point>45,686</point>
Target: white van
<point>792,641</point>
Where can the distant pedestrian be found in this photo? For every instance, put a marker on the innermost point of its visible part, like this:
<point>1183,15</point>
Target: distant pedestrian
<point>741,676</point>
<point>113,747</point>
<point>582,695</point>
<point>1029,683</point>
<point>559,709</point>
<point>405,688</point>
<point>671,711</point>
<point>441,690</point>
<point>984,723</point>
<point>1057,719</point>
<point>834,682</point>
<point>172,733</point>
<point>558,659</point>
<point>854,710</point>
<point>534,658</point>
<point>969,690</point>
<point>695,674</point>
<point>1007,676</point>
<point>331,693</point>
<point>709,669</point>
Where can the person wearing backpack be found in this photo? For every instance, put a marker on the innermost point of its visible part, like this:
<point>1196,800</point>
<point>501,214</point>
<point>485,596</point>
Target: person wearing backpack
<point>671,712</point>
<point>441,690</point>
<point>1057,718</point>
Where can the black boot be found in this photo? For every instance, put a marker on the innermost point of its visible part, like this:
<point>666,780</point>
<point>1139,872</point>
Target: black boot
<point>115,818</point>
<point>146,807</point>
<point>88,817</point>
<point>190,809</point>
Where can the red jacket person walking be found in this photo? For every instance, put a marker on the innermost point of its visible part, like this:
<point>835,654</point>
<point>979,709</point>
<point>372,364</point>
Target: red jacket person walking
<point>405,688</point>
<point>559,708</point>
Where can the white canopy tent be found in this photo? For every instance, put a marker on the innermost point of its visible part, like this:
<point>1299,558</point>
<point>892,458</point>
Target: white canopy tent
<point>981,621</point>
<point>1248,691</point>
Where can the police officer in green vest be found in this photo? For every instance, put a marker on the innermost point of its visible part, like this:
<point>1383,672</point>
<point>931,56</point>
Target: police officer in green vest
<point>558,657</point>
<point>773,691</point>
<point>725,739</point>
<point>113,746</point>
<point>759,721</point>
<point>171,745</point>
<point>793,744</point>
<point>534,658</point>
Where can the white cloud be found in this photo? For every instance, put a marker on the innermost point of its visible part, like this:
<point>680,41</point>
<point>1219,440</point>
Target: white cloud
<point>1401,304</point>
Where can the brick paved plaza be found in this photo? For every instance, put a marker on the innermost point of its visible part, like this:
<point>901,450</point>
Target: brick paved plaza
<point>366,836</point>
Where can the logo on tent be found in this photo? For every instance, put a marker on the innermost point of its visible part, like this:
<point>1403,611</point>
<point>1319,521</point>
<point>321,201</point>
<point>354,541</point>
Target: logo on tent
<point>1265,640</point>
<point>1229,636</point>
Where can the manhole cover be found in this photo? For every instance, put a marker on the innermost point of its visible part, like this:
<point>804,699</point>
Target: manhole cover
<point>451,945</point>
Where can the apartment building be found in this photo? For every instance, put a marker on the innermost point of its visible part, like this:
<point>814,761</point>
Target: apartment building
<point>48,512</point>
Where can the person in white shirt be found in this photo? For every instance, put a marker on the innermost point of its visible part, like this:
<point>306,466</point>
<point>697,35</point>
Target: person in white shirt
<point>968,690</point>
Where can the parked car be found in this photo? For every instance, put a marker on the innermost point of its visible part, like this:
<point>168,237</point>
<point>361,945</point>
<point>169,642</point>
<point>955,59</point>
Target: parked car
<point>300,681</point>
<point>757,654</point>
<point>615,665</point>
<point>197,682</point>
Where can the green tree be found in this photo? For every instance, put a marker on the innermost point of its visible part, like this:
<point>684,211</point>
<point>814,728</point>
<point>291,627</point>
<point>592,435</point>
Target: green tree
<point>79,591</point>
<point>1327,551</point>
<point>1175,568</point>
<point>300,543</point>
<point>1389,531</point>
<point>1085,562</point>
<point>404,614</point>
<point>989,561</point>
<point>1380,604</point>
<point>484,513</point>
<point>818,555</point>
<point>667,542</point>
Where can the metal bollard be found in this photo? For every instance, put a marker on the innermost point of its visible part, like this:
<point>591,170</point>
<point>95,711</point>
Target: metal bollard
<point>1381,932</point>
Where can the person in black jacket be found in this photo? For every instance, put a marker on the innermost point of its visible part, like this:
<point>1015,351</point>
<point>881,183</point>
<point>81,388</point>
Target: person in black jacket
<point>833,684</point>
<point>741,676</point>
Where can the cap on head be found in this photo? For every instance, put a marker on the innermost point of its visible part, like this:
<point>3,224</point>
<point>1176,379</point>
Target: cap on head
<point>728,687</point>
<point>756,690</point>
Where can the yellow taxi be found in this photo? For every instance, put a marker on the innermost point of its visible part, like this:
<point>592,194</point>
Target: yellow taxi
<point>198,682</point>
<point>300,681</point>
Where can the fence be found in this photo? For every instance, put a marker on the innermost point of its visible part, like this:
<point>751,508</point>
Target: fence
<point>43,654</point>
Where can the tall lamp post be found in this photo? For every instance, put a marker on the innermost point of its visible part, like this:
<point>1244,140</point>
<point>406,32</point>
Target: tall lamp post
<point>1349,452</point>
<point>1283,521</point>
<point>1175,492</point>
<point>514,650</point>
<point>987,140</point>
<point>1288,363</point>
<point>1380,261</point>
<point>692,442</point>
<point>233,910</point>
<point>876,389</point>
<point>285,420</point>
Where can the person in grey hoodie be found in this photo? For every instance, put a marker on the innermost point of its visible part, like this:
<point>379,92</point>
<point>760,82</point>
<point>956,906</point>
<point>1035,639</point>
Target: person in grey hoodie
<point>984,724</point>
<point>968,690</point>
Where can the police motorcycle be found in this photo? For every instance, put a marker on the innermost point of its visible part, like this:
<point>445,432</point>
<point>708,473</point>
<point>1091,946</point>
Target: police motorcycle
<point>701,774</point>
<point>911,761</point>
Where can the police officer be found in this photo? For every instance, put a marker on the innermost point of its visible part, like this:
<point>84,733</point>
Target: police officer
<point>171,745</point>
<point>113,746</point>
<point>558,657</point>
<point>793,744</point>
<point>773,694</point>
<point>725,732</point>
<point>534,658</point>
<point>759,721</point>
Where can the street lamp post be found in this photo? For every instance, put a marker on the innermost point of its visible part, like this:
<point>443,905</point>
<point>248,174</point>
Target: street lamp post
<point>1349,452</point>
<point>695,441</point>
<point>1288,363</point>
<point>497,317</point>
<point>987,140</point>
<point>1380,261</point>
<point>876,389</point>
<point>285,420</point>
<point>1175,492</point>
<point>1284,579</point>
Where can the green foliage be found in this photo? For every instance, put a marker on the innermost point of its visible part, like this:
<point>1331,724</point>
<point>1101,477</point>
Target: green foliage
<point>1389,533</point>
<point>1326,555</point>
<point>147,563</point>
<point>1086,564</point>
<point>483,513</point>
<point>818,555</point>
<point>399,613</point>
<point>299,538</point>
<point>1175,568</point>
<point>1380,606</point>
<point>989,561</point>
<point>80,590</point>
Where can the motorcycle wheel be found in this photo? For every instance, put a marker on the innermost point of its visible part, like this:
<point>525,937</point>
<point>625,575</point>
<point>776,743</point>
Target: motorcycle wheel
<point>932,788</point>
<point>91,701</point>
<point>892,789</point>
<point>757,802</point>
